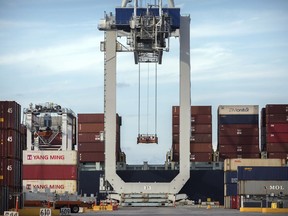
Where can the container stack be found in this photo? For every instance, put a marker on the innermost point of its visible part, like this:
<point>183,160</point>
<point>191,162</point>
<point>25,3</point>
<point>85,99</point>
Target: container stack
<point>238,132</point>
<point>264,185</point>
<point>231,177</point>
<point>11,147</point>
<point>91,147</point>
<point>50,170</point>
<point>201,134</point>
<point>276,142</point>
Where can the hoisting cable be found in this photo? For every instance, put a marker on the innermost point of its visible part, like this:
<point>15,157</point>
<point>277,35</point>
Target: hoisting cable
<point>147,120</point>
<point>156,99</point>
<point>139,100</point>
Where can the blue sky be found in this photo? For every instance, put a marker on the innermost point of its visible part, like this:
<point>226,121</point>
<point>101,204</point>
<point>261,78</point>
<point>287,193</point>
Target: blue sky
<point>50,51</point>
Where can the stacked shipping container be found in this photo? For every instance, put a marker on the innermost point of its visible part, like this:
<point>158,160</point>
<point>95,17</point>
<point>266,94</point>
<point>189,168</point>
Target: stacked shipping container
<point>275,125</point>
<point>11,146</point>
<point>54,170</point>
<point>201,133</point>
<point>238,132</point>
<point>91,147</point>
<point>231,177</point>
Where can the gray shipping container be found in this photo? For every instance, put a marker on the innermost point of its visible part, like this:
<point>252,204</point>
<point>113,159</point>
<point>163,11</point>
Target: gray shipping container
<point>262,187</point>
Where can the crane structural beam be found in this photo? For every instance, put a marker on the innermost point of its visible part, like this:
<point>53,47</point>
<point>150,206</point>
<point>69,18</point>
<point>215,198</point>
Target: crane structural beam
<point>111,176</point>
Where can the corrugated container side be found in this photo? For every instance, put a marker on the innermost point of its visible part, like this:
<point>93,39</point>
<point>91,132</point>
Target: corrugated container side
<point>277,108</point>
<point>277,128</point>
<point>238,109</point>
<point>50,157</point>
<point>50,172</point>
<point>236,140</point>
<point>283,155</point>
<point>277,138</point>
<point>238,119</point>
<point>58,186</point>
<point>230,189</point>
<point>230,177</point>
<point>96,118</point>
<point>92,157</point>
<point>237,126</point>
<point>196,129</point>
<point>195,147</point>
<point>10,145</point>
<point>239,149</point>
<point>195,110</point>
<point>196,138</point>
<point>201,119</point>
<point>262,173</point>
<point>201,157</point>
<point>90,127</point>
<point>277,147</point>
<point>238,131</point>
<point>225,156</point>
<point>10,115</point>
<point>91,147</point>
<point>227,202</point>
<point>232,164</point>
<point>276,118</point>
<point>89,137</point>
<point>262,187</point>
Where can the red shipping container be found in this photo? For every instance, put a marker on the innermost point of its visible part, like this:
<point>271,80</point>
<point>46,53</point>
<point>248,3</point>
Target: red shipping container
<point>10,144</point>
<point>201,119</point>
<point>89,137</point>
<point>277,138</point>
<point>224,156</point>
<point>195,147</point>
<point>196,138</point>
<point>236,140</point>
<point>283,155</point>
<point>10,115</point>
<point>226,131</point>
<point>237,126</point>
<point>235,202</point>
<point>91,147</point>
<point>276,118</point>
<point>10,172</point>
<point>243,149</point>
<point>90,127</point>
<point>96,118</point>
<point>196,129</point>
<point>50,172</point>
<point>91,157</point>
<point>195,157</point>
<point>195,110</point>
<point>276,108</point>
<point>277,147</point>
<point>277,128</point>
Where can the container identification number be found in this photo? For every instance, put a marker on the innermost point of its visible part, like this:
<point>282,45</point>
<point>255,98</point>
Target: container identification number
<point>45,212</point>
<point>11,213</point>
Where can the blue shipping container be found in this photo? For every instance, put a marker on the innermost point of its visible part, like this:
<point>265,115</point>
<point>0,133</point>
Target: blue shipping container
<point>230,177</point>
<point>238,119</point>
<point>262,173</point>
<point>230,190</point>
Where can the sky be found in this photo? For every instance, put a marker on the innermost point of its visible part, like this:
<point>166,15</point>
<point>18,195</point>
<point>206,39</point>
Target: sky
<point>50,52</point>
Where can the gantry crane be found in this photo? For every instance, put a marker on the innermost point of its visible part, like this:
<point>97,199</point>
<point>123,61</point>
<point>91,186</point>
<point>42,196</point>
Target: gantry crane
<point>148,30</point>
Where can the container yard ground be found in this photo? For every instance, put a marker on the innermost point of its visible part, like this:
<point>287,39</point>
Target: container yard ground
<point>183,210</point>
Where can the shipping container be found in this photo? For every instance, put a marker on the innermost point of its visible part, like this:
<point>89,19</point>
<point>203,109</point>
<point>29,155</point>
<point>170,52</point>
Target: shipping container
<point>195,147</point>
<point>196,138</point>
<point>50,172</point>
<point>91,157</point>
<point>58,186</point>
<point>238,110</point>
<point>10,115</point>
<point>90,127</point>
<point>277,128</point>
<point>237,140</point>
<point>195,129</point>
<point>91,147</point>
<point>195,157</point>
<point>263,188</point>
<point>276,118</point>
<point>263,117</point>
<point>277,138</point>
<point>195,110</point>
<point>227,202</point>
<point>232,164</point>
<point>248,149</point>
<point>277,147</point>
<point>224,131</point>
<point>50,157</point>
<point>237,126</point>
<point>238,155</point>
<point>277,108</point>
<point>262,173</point>
<point>90,137</point>
<point>230,177</point>
<point>96,118</point>
<point>10,145</point>
<point>195,119</point>
<point>10,172</point>
<point>230,189</point>
<point>283,155</point>
<point>238,119</point>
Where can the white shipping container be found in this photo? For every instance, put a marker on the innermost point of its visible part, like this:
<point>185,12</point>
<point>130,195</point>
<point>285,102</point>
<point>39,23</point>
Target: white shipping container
<point>227,202</point>
<point>263,188</point>
<point>58,186</point>
<point>232,164</point>
<point>238,110</point>
<point>50,157</point>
